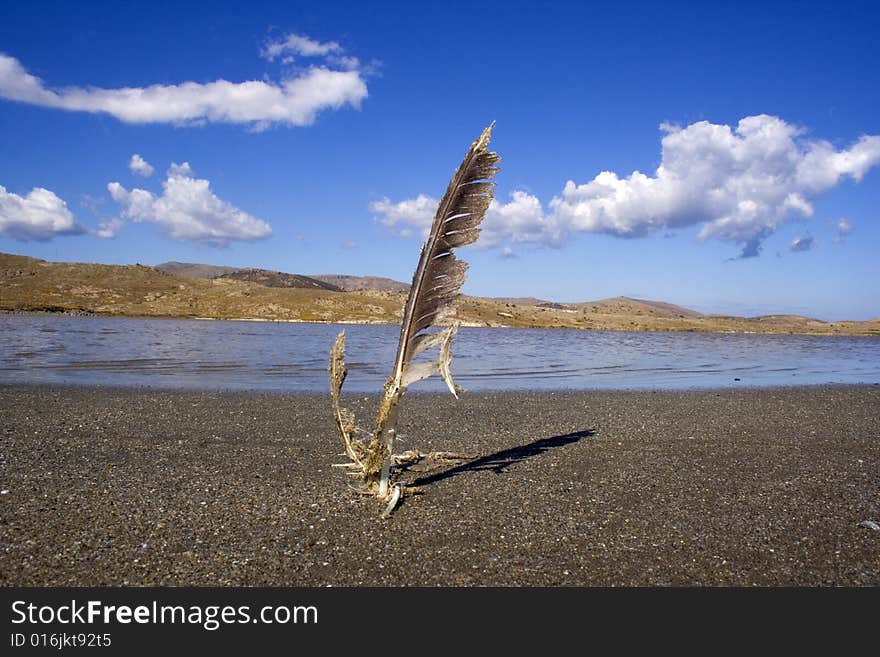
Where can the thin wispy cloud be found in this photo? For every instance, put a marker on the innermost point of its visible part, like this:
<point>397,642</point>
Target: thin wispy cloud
<point>842,228</point>
<point>92,203</point>
<point>110,228</point>
<point>738,184</point>
<point>179,170</point>
<point>297,44</point>
<point>800,244</point>
<point>140,166</point>
<point>38,216</point>
<point>292,48</point>
<point>188,210</point>
<point>332,82</point>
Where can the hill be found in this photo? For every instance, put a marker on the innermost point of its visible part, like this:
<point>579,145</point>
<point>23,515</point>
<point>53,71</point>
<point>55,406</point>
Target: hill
<point>28,285</point>
<point>520,301</point>
<point>265,277</point>
<point>278,279</point>
<point>334,282</point>
<point>362,283</point>
<point>629,306</point>
<point>194,269</point>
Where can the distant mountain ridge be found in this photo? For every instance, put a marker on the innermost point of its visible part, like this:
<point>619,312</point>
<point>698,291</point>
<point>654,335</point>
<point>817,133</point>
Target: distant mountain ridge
<point>215,292</point>
<point>195,270</point>
<point>360,283</point>
<point>278,279</point>
<point>270,278</point>
<point>614,304</point>
<point>265,277</point>
<point>658,308</point>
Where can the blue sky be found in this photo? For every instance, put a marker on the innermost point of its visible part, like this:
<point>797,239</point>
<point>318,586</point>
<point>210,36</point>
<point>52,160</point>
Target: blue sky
<point>336,126</point>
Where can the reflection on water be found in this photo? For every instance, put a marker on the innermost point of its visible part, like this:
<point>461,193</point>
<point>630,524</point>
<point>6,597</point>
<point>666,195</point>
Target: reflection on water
<point>293,357</point>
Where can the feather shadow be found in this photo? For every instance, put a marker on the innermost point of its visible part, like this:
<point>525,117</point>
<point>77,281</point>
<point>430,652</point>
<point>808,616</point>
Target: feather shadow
<point>498,462</point>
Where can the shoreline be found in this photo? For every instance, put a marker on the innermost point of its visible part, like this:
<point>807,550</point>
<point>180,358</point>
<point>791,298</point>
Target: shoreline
<point>87,314</point>
<point>313,395</point>
<point>766,487</point>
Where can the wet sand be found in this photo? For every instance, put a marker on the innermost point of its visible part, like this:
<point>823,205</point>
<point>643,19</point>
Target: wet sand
<point>734,487</point>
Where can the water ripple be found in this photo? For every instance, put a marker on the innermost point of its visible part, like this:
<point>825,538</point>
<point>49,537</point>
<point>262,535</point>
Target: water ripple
<point>282,356</point>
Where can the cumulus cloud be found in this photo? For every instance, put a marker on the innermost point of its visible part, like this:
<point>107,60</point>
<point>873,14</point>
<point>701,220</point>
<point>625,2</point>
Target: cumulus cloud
<point>140,166</point>
<point>520,220</point>
<point>295,100</point>
<point>739,184</point>
<point>404,216</point>
<point>188,210</point>
<point>804,243</point>
<point>39,216</point>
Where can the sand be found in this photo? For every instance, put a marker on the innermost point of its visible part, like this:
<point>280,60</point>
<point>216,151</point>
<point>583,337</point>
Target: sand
<point>727,487</point>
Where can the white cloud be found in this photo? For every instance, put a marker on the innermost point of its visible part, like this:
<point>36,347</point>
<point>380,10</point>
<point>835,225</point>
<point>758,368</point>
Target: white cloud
<point>110,228</point>
<point>297,44</point>
<point>739,184</point>
<point>178,170</point>
<point>91,203</point>
<point>140,166</point>
<point>294,100</point>
<point>402,217</point>
<point>843,228</point>
<point>188,210</point>
<point>39,216</point>
<point>802,244</point>
<point>521,220</point>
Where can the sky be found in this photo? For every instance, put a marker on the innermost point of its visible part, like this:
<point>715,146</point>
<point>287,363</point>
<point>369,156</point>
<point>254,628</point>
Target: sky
<point>720,156</point>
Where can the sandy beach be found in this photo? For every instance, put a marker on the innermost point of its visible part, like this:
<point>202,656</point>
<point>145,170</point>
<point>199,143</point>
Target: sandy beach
<point>728,487</point>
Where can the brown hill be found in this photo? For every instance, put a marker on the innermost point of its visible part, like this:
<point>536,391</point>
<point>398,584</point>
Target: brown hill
<point>334,282</point>
<point>278,279</point>
<point>629,306</point>
<point>519,301</point>
<point>28,284</point>
<point>362,283</point>
<point>195,269</point>
<point>265,277</point>
<point>787,319</point>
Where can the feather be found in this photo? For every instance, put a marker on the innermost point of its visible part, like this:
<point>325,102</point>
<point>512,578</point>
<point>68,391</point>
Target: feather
<point>435,286</point>
<point>418,371</point>
<point>345,422</point>
<point>446,360</point>
<point>439,274</point>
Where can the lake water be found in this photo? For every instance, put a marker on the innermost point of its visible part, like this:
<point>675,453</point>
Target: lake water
<point>293,357</point>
